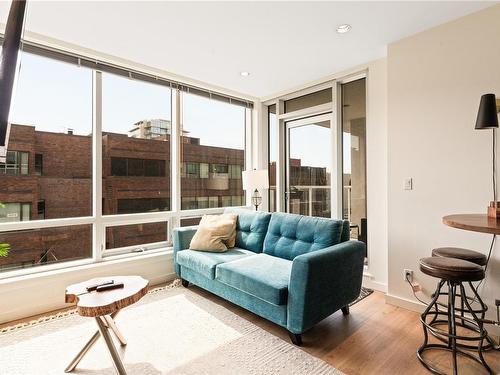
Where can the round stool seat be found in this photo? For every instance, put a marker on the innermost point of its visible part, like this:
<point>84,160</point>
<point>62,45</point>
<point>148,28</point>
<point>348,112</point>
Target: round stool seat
<point>459,253</point>
<point>451,269</point>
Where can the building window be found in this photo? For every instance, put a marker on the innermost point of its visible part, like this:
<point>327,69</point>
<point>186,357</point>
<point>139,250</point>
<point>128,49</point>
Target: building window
<point>12,212</point>
<point>213,202</point>
<point>16,163</point>
<point>204,167</point>
<point>235,172</point>
<point>192,170</point>
<point>132,206</point>
<point>219,168</point>
<point>237,200</point>
<point>41,210</point>
<point>189,203</point>
<point>38,164</point>
<point>213,139</point>
<point>202,202</point>
<point>136,123</point>
<point>138,167</point>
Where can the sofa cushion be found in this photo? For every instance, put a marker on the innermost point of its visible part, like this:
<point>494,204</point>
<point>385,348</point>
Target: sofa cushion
<point>216,233</point>
<point>292,235</point>
<point>251,228</point>
<point>205,263</point>
<point>260,275</point>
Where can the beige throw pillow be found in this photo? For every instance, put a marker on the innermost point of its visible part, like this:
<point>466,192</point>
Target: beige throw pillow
<point>215,233</point>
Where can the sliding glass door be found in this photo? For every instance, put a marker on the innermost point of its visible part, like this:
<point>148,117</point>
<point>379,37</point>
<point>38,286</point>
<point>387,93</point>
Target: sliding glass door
<point>309,166</point>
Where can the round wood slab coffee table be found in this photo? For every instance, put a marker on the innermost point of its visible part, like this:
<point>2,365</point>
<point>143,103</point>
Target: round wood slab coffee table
<point>104,307</point>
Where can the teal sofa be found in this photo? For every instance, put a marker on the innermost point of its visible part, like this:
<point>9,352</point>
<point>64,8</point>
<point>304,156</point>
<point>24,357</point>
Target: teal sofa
<point>290,269</point>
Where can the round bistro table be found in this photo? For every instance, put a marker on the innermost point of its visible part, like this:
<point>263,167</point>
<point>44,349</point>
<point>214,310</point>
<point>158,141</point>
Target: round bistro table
<point>104,307</point>
<point>473,222</point>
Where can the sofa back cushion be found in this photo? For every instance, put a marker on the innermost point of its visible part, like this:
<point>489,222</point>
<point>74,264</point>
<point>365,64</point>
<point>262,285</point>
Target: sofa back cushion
<point>291,235</point>
<point>251,228</point>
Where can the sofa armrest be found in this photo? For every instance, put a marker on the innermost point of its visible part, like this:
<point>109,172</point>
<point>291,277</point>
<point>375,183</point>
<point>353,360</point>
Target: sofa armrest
<point>323,281</point>
<point>181,238</point>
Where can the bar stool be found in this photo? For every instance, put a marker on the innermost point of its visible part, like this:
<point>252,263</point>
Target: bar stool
<point>453,272</point>
<point>479,259</point>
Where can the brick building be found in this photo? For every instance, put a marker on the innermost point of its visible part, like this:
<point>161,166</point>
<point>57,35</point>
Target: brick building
<point>48,176</point>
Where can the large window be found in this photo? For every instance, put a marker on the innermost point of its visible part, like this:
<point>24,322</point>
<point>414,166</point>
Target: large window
<point>39,247</point>
<point>138,237</point>
<point>72,124</point>
<point>48,168</point>
<point>212,152</point>
<point>354,157</point>
<point>136,126</point>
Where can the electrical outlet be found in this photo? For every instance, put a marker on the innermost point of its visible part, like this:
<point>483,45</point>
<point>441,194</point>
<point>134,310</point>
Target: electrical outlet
<point>408,275</point>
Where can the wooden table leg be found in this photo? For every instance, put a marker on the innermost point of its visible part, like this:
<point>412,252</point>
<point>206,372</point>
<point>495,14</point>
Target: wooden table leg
<point>112,326</point>
<point>115,357</point>
<point>109,324</point>
<point>82,352</point>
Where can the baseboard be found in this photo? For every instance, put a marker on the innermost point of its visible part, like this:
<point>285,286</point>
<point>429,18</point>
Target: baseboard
<point>404,303</point>
<point>375,285</point>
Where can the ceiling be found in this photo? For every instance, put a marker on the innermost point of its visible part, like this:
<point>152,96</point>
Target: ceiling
<point>282,44</point>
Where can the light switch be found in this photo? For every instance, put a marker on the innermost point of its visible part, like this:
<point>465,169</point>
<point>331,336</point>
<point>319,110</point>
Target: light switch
<point>408,183</point>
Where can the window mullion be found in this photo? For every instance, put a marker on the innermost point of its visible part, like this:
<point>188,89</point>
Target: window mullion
<point>175,158</point>
<point>98,240</point>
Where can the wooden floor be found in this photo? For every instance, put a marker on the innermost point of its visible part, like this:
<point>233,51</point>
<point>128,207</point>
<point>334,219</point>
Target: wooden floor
<point>376,338</point>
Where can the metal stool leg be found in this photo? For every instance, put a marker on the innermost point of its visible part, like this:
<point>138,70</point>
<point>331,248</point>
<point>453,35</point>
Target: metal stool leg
<point>483,333</point>
<point>452,289</point>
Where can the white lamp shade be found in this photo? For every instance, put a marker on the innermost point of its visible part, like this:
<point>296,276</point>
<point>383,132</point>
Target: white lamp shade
<point>255,179</point>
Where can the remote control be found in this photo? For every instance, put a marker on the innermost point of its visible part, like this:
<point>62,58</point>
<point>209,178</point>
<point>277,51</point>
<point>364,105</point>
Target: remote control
<point>91,288</point>
<point>102,288</point>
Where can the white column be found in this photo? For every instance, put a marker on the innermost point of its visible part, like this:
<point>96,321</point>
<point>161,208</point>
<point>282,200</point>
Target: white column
<point>98,232</point>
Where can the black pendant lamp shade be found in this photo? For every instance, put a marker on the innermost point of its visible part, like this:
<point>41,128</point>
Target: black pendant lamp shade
<point>487,117</point>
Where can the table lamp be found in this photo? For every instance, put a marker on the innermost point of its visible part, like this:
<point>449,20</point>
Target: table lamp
<point>256,179</point>
<point>487,118</point>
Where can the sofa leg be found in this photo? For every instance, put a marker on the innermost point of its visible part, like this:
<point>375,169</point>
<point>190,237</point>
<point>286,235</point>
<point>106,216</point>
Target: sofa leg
<point>296,338</point>
<point>185,283</point>
<point>345,310</point>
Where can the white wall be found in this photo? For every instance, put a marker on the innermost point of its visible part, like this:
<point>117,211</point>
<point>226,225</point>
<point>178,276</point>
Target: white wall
<point>38,293</point>
<point>435,80</point>
<point>376,173</point>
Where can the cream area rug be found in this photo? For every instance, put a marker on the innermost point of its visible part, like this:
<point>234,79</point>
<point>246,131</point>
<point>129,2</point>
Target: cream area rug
<point>170,331</point>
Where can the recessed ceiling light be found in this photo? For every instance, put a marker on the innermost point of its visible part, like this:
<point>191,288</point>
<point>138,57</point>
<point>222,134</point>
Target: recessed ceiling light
<point>244,74</point>
<point>342,29</point>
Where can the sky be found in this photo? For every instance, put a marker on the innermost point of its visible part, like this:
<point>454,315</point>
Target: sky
<point>55,96</point>
<point>311,144</point>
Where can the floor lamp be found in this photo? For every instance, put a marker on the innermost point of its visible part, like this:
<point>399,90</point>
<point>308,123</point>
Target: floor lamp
<point>487,118</point>
<point>256,179</point>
